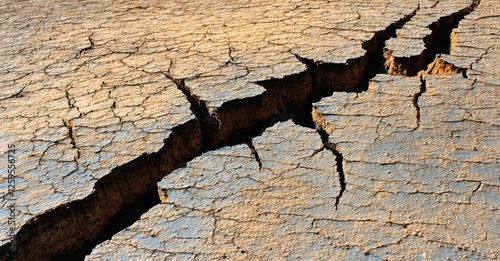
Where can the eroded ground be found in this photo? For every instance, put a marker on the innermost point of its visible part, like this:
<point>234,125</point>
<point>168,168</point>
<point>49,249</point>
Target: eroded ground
<point>158,124</point>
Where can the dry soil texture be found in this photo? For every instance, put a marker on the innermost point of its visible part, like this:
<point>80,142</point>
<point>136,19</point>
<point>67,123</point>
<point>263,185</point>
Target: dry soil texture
<point>250,130</point>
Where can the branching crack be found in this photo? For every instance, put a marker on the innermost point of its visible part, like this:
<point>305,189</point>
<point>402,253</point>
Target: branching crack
<point>359,72</point>
<point>199,109</point>
<point>438,42</point>
<point>90,47</point>
<point>354,76</point>
<point>339,158</point>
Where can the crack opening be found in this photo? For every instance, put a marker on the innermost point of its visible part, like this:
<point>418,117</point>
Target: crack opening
<point>123,202</point>
<point>254,151</point>
<point>117,201</point>
<point>416,96</point>
<point>207,122</point>
<point>117,223</point>
<point>439,41</point>
<point>376,61</point>
<point>339,158</point>
<point>355,74</point>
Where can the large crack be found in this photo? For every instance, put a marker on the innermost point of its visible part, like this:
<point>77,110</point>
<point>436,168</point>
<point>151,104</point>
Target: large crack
<point>321,80</point>
<point>130,190</point>
<point>229,124</point>
<point>72,230</point>
<point>354,74</point>
<point>439,41</point>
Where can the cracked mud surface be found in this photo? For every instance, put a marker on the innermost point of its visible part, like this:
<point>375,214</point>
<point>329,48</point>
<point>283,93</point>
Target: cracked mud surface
<point>430,180</point>
<point>222,205</point>
<point>157,124</point>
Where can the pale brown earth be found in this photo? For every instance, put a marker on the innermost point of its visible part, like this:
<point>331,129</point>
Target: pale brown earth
<point>151,130</point>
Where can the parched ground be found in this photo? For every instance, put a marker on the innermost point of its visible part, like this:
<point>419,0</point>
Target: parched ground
<point>250,130</point>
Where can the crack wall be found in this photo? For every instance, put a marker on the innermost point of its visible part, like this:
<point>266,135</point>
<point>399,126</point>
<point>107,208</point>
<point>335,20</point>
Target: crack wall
<point>354,74</point>
<point>439,66</point>
<point>118,200</point>
<point>235,126</point>
<point>439,41</point>
<point>229,124</point>
<point>199,109</point>
<point>130,190</point>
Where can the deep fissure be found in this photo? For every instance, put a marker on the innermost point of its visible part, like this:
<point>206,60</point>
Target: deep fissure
<point>199,109</point>
<point>144,203</point>
<point>123,207</point>
<point>318,81</point>
<point>439,41</point>
<point>118,200</point>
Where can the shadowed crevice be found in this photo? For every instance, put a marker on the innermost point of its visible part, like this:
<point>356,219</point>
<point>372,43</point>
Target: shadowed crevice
<point>416,96</point>
<point>439,41</point>
<point>72,230</point>
<point>254,152</point>
<point>339,159</point>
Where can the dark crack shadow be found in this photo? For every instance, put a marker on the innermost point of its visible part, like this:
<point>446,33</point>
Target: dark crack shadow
<point>416,96</point>
<point>120,202</point>
<point>339,158</point>
<point>439,41</point>
<point>254,151</point>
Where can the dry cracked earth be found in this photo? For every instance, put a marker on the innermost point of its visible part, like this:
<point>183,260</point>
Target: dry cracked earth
<point>250,130</point>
